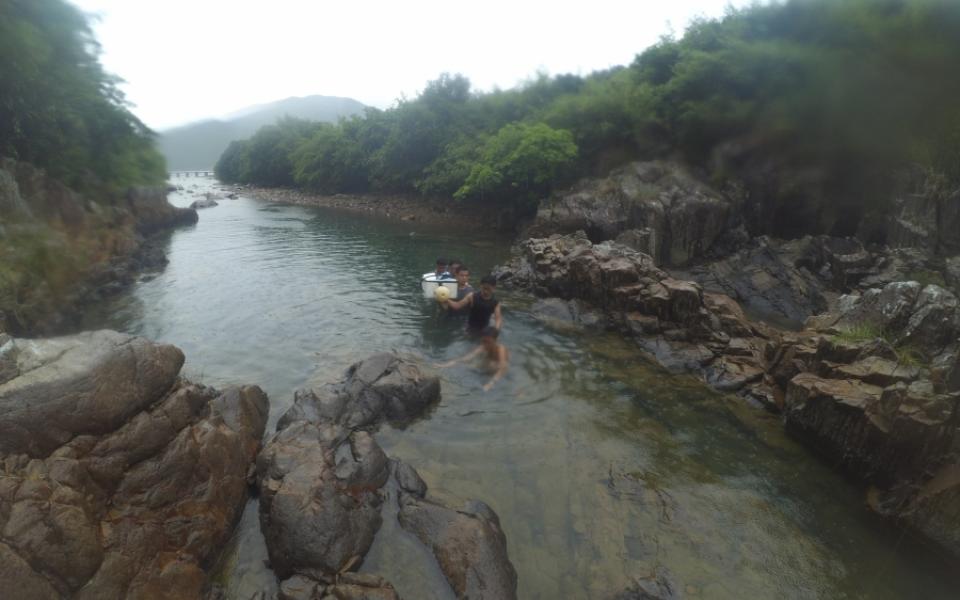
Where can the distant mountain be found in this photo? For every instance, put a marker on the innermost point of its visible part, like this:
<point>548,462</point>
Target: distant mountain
<point>199,145</point>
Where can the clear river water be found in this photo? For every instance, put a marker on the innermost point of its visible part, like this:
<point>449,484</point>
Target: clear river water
<point>601,466</point>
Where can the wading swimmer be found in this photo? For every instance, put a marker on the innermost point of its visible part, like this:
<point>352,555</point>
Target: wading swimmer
<point>482,305</point>
<point>496,353</point>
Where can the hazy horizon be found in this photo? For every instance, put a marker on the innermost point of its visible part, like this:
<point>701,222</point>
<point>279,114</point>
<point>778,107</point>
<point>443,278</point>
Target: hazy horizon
<point>190,61</point>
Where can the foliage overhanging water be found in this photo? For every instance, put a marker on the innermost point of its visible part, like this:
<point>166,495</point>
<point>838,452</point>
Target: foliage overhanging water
<point>601,466</point>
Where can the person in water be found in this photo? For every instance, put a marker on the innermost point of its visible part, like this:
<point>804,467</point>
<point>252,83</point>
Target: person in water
<point>462,276</point>
<point>442,272</point>
<point>496,353</point>
<point>455,265</point>
<point>482,305</point>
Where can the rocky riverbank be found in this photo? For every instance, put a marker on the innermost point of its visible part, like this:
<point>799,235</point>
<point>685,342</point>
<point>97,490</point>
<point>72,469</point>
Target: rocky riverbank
<point>856,345</point>
<point>118,478</point>
<point>873,387</point>
<point>60,251</point>
<point>411,209</point>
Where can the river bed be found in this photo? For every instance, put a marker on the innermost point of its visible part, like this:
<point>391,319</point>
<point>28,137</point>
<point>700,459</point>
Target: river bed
<point>601,466</point>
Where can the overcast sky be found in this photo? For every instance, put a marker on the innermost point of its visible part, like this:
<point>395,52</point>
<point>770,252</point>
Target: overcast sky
<point>185,60</point>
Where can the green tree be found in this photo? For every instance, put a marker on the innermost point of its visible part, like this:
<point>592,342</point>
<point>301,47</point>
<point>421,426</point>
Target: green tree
<point>520,163</point>
<point>58,108</point>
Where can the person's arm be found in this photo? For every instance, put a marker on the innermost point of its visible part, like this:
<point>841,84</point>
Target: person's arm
<point>497,317</point>
<point>457,305</point>
<point>450,363</point>
<point>502,363</point>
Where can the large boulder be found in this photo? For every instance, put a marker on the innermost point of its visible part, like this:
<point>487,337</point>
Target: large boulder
<point>469,545</point>
<point>321,474</point>
<point>881,435</point>
<point>383,387</point>
<point>91,383</point>
<point>319,498</point>
<point>659,208</point>
<point>925,318</point>
<point>142,494</point>
<point>323,480</point>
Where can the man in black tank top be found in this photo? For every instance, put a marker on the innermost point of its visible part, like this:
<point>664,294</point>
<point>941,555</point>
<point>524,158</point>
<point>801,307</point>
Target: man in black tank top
<point>482,305</point>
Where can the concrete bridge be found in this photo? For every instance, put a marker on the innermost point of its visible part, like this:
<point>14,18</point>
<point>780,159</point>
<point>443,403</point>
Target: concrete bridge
<point>191,173</point>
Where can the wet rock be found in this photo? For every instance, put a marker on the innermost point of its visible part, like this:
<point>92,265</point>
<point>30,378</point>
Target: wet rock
<point>319,498</point>
<point>300,587</point>
<point>153,213</point>
<point>321,474</point>
<point>138,498</point>
<point>408,479</point>
<point>469,545</point>
<point>924,317</point>
<point>877,371</point>
<point>765,280</point>
<point>933,510</point>
<point>361,586</point>
<point>657,207</point>
<point>204,203</point>
<point>384,387</point>
<point>89,383</point>
<point>659,585</point>
<point>882,436</point>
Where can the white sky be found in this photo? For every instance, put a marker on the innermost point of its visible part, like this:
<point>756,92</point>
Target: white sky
<point>185,60</point>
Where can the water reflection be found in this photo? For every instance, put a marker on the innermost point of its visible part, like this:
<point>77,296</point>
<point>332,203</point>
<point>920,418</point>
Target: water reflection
<point>601,465</point>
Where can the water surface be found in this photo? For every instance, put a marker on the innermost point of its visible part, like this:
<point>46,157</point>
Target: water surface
<point>602,467</point>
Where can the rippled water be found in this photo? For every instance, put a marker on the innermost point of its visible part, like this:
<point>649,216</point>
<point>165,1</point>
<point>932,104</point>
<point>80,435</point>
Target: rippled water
<point>601,466</point>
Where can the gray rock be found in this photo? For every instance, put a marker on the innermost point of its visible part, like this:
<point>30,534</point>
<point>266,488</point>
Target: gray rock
<point>89,383</point>
<point>381,388</point>
<point>204,203</point>
<point>319,498</point>
<point>146,488</point>
<point>673,216</point>
<point>766,281</point>
<point>469,545</point>
<point>408,479</point>
<point>659,585</point>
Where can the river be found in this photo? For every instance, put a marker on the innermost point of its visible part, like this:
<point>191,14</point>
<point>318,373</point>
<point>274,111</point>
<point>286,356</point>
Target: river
<point>601,466</point>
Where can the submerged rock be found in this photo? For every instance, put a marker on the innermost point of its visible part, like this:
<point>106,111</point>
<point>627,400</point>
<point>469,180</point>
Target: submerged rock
<point>658,585</point>
<point>120,480</point>
<point>469,545</point>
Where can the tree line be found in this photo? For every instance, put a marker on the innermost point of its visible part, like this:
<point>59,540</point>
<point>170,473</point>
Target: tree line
<point>59,109</point>
<point>824,99</point>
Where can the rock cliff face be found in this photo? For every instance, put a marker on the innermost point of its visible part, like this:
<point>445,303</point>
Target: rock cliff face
<point>659,208</point>
<point>58,248</point>
<point>873,387</point>
<point>117,478</point>
<point>323,481</point>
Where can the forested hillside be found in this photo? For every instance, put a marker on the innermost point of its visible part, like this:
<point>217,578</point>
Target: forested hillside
<point>819,108</point>
<point>59,110</point>
<point>199,145</point>
<point>73,163</point>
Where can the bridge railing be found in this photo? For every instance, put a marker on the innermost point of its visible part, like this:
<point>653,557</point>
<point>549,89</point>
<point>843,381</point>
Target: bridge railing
<point>191,173</point>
